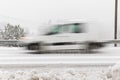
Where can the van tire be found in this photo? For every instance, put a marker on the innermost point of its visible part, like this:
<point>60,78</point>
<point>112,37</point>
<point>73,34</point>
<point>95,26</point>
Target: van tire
<point>95,45</point>
<point>33,46</point>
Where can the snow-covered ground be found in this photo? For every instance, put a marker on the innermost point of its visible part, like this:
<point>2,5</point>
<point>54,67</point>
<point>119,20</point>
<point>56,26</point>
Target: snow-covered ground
<point>21,64</point>
<point>55,73</point>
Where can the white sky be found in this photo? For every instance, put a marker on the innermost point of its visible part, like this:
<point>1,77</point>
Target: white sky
<point>42,10</point>
<point>33,13</point>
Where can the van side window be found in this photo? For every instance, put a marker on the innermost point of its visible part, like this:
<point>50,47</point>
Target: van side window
<point>76,28</point>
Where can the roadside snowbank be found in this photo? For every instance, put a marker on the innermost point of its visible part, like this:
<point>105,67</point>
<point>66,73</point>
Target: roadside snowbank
<point>53,74</point>
<point>114,72</point>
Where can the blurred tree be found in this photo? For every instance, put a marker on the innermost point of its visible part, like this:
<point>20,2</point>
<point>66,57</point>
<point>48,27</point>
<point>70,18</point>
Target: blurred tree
<point>11,32</point>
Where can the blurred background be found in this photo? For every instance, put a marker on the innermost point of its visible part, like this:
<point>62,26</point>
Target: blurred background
<point>33,15</point>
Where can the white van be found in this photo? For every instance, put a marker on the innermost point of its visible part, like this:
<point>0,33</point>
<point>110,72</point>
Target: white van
<point>64,36</point>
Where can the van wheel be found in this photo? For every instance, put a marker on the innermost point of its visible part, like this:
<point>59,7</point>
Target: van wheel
<point>33,46</point>
<point>95,45</point>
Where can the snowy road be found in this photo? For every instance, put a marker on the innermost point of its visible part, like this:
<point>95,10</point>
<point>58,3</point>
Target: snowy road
<point>21,64</point>
<point>108,55</point>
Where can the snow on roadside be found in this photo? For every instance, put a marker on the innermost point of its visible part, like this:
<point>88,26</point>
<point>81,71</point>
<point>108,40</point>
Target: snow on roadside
<point>54,74</point>
<point>114,71</point>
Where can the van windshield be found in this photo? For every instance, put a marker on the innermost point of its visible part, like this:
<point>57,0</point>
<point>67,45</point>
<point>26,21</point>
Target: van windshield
<point>54,30</point>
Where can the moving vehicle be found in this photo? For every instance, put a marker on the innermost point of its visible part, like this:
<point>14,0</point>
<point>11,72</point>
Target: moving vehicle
<point>66,36</point>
